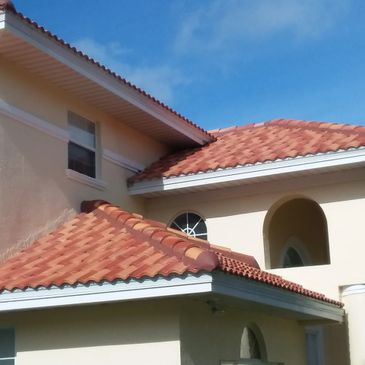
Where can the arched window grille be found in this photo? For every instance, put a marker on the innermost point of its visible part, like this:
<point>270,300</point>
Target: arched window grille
<point>191,224</point>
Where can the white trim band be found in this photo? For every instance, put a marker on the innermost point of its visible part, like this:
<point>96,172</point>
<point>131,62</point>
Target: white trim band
<point>33,121</point>
<point>122,161</point>
<point>313,163</point>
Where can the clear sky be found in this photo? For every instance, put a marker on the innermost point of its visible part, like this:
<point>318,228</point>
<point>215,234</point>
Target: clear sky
<point>226,62</point>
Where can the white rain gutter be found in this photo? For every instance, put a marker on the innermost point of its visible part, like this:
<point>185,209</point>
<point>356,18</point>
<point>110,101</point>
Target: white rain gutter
<point>216,283</point>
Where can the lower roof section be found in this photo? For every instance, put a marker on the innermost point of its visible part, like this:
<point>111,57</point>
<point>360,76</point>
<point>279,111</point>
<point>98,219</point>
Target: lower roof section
<point>213,284</point>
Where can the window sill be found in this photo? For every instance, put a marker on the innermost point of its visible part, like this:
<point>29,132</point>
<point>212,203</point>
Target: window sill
<point>84,179</point>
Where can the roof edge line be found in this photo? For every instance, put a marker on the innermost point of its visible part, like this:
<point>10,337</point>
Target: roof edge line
<point>105,292</point>
<point>317,162</point>
<point>262,293</point>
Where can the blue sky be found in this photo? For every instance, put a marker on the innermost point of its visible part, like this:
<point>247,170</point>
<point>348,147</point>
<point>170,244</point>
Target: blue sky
<point>226,62</point>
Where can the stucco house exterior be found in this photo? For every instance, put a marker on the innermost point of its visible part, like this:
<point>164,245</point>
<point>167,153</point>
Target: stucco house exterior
<point>244,246</point>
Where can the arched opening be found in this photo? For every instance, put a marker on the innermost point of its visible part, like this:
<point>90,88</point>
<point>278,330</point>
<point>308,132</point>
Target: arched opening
<point>296,235</point>
<point>252,344</point>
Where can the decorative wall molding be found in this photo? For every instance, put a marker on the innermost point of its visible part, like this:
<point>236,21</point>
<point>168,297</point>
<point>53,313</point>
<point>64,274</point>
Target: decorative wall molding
<point>33,121</point>
<point>122,161</point>
<point>353,290</point>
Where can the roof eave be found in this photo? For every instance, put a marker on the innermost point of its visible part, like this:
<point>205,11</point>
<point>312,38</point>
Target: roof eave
<point>176,286</point>
<point>169,120</point>
<point>310,164</point>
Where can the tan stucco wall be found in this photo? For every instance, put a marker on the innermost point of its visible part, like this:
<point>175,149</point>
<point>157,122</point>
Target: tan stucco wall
<point>208,338</point>
<point>235,218</point>
<point>35,192</point>
<point>128,333</point>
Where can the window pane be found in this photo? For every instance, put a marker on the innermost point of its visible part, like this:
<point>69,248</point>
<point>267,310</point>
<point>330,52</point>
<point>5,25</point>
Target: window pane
<point>7,343</point>
<point>81,159</point>
<point>81,130</point>
<point>292,258</point>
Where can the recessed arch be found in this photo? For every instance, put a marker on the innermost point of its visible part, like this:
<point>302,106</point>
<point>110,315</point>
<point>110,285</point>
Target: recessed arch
<point>296,226</point>
<point>252,343</point>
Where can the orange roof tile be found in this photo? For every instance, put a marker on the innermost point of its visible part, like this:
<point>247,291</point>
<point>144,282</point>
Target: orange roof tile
<point>105,243</point>
<point>257,143</point>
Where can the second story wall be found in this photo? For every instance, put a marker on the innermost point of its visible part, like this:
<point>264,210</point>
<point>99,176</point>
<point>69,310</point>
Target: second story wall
<point>237,218</point>
<point>37,191</point>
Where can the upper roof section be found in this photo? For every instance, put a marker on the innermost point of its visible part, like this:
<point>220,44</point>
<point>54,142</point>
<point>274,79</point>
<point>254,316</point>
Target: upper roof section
<point>105,244</point>
<point>282,140</point>
<point>44,54</point>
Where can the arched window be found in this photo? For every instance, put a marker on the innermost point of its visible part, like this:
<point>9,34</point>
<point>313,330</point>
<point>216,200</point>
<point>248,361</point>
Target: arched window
<point>292,258</point>
<point>295,234</point>
<point>250,347</point>
<point>191,224</point>
<point>294,254</point>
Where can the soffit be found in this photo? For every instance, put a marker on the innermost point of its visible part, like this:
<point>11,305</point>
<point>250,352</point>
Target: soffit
<point>141,111</point>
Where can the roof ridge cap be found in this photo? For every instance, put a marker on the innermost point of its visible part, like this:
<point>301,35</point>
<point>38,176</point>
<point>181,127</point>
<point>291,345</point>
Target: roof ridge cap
<point>317,125</point>
<point>234,128</point>
<point>195,251</point>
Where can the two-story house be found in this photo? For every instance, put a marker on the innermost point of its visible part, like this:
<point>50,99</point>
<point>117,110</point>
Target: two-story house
<point>270,216</point>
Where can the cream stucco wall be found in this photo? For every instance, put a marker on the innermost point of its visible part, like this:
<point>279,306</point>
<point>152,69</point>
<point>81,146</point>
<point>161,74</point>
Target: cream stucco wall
<point>36,195</point>
<point>154,332</point>
<point>209,339</point>
<point>126,333</point>
<point>235,218</point>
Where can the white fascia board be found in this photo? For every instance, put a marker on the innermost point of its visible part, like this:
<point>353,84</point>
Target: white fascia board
<point>216,283</point>
<point>104,293</point>
<point>257,292</point>
<point>94,73</point>
<point>312,163</point>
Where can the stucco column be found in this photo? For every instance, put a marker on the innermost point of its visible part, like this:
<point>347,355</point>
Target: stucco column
<point>354,298</point>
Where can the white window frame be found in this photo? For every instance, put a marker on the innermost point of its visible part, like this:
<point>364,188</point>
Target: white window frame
<point>95,182</point>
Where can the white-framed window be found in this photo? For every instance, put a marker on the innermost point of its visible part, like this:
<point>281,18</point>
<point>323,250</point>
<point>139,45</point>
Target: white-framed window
<point>192,224</point>
<point>82,145</point>
<point>7,346</point>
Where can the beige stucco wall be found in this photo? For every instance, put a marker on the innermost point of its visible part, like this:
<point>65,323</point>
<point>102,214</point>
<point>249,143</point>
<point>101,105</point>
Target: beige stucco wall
<point>208,338</point>
<point>35,192</point>
<point>127,333</point>
<point>235,218</point>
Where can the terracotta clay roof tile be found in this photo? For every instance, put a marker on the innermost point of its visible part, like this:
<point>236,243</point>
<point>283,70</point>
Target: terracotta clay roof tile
<point>257,143</point>
<point>105,243</point>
